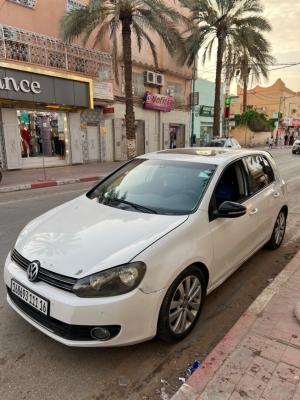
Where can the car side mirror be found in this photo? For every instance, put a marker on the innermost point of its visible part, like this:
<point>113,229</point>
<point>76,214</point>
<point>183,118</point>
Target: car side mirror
<point>230,209</point>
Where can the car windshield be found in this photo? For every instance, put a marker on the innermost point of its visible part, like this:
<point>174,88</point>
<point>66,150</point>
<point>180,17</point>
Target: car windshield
<point>217,143</point>
<point>155,186</point>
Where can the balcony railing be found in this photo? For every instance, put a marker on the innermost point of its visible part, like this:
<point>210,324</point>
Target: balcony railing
<point>33,48</point>
<point>25,3</point>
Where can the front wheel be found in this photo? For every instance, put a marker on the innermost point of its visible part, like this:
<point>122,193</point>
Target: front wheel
<point>182,305</point>
<point>278,232</point>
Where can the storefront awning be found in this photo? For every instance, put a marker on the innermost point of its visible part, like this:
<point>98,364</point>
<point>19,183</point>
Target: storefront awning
<point>20,84</point>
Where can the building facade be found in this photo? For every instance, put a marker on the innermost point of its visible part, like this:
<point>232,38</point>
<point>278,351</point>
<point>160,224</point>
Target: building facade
<point>273,100</point>
<point>60,103</point>
<point>204,111</point>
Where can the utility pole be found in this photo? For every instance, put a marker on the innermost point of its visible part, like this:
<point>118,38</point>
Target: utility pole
<point>193,102</point>
<point>279,112</point>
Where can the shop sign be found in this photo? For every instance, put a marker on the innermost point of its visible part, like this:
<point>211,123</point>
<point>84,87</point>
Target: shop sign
<point>108,110</point>
<point>206,111</point>
<point>9,83</point>
<point>18,85</point>
<point>159,102</point>
<point>103,90</point>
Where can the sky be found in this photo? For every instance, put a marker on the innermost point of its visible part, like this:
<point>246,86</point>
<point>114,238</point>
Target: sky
<point>284,17</point>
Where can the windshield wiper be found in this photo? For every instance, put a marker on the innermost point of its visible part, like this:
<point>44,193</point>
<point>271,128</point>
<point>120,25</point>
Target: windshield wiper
<point>136,206</point>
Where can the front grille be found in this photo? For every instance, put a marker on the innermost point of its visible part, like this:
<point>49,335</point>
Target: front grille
<point>59,328</point>
<point>52,278</point>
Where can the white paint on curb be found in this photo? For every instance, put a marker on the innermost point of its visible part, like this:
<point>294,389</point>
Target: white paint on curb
<point>7,189</point>
<point>186,392</point>
<point>266,295</point>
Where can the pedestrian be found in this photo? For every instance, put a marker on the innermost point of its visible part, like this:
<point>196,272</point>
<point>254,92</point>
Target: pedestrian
<point>271,141</point>
<point>286,139</point>
<point>291,140</point>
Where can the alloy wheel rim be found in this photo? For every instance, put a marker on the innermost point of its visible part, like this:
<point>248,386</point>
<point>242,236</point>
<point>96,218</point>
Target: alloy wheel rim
<point>280,228</point>
<point>185,304</point>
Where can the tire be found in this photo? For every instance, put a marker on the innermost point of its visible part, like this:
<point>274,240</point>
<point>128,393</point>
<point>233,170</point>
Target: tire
<point>167,329</point>
<point>294,152</point>
<point>278,232</point>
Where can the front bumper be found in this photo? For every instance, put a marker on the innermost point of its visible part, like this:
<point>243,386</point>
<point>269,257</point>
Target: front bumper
<point>136,313</point>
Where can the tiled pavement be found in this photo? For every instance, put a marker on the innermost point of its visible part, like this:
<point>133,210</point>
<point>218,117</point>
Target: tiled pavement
<point>259,359</point>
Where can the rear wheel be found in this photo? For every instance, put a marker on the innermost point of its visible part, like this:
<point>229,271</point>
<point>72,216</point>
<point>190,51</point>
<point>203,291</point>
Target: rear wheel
<point>278,231</point>
<point>182,305</point>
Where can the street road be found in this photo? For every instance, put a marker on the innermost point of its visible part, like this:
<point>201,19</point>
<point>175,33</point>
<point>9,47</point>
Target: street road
<point>34,367</point>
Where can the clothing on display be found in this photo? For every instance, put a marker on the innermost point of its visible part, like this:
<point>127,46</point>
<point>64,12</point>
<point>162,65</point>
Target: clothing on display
<point>42,134</point>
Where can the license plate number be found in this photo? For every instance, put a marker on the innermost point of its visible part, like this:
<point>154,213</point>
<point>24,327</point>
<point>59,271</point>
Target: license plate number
<point>35,301</point>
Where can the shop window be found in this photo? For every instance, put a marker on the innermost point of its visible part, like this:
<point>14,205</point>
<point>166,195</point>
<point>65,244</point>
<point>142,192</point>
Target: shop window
<point>26,3</point>
<point>42,134</point>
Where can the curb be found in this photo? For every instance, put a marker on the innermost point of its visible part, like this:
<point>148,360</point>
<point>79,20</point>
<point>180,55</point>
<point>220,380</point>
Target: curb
<point>196,384</point>
<point>50,183</point>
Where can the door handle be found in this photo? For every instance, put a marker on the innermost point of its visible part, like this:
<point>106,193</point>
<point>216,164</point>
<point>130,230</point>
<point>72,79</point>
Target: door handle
<point>276,194</point>
<point>254,211</point>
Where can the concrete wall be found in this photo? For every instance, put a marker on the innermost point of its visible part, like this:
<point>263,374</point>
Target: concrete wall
<point>248,138</point>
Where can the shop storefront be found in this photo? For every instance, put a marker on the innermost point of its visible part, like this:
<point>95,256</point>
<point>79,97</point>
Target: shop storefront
<point>40,117</point>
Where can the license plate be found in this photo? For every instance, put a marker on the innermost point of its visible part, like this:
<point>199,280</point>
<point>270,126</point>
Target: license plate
<point>34,300</point>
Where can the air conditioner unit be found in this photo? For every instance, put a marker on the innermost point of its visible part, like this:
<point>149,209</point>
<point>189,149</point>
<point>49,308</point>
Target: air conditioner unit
<point>159,79</point>
<point>149,78</point>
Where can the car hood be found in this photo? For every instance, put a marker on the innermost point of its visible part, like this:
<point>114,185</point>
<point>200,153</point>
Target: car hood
<point>82,236</point>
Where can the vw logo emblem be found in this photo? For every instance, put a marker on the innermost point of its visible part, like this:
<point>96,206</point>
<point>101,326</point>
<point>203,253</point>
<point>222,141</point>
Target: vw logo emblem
<point>33,271</point>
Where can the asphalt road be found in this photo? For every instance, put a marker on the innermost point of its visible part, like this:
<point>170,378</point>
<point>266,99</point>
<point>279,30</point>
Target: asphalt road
<point>34,367</point>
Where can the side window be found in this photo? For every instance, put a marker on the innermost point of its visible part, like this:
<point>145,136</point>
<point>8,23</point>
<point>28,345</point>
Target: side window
<point>231,186</point>
<point>258,178</point>
<point>268,170</point>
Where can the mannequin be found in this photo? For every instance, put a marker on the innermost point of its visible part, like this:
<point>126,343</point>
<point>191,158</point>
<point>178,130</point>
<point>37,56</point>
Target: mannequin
<point>26,137</point>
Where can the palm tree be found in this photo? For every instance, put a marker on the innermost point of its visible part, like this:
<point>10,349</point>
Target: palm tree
<point>218,21</point>
<point>125,17</point>
<point>249,53</point>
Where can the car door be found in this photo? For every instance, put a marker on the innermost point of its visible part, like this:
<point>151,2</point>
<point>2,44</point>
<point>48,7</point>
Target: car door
<point>265,194</point>
<point>232,238</point>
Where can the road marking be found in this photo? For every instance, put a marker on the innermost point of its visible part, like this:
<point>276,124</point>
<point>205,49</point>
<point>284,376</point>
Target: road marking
<point>79,191</point>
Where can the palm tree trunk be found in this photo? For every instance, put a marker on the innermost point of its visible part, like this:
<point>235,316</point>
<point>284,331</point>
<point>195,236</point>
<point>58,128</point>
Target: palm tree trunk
<point>129,115</point>
<point>245,92</point>
<point>217,107</point>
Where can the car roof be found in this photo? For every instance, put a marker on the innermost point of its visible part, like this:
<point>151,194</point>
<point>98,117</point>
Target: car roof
<point>204,155</point>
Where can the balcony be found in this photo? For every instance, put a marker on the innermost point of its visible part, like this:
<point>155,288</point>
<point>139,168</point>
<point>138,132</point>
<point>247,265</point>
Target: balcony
<point>32,48</point>
<point>25,3</point>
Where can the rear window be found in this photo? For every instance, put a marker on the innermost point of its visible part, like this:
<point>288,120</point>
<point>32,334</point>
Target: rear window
<point>217,143</point>
<point>260,174</point>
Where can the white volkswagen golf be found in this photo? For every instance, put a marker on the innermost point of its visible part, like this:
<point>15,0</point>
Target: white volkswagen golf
<point>136,256</point>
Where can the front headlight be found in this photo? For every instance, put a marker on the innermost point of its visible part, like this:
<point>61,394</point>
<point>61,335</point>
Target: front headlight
<point>112,282</point>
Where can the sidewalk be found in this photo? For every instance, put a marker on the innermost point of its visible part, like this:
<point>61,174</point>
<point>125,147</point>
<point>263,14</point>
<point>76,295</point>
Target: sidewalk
<point>260,356</point>
<point>34,178</point>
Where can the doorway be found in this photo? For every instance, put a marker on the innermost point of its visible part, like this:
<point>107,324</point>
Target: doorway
<point>93,139</point>
<point>177,136</point>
